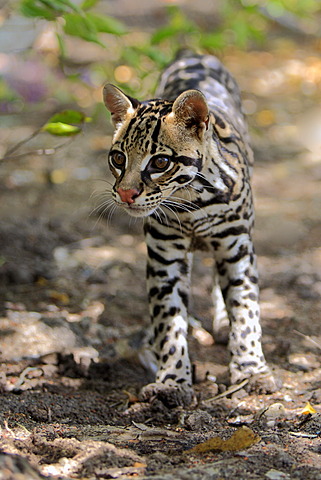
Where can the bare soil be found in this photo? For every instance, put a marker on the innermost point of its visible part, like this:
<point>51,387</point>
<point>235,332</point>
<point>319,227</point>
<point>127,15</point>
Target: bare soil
<point>74,310</point>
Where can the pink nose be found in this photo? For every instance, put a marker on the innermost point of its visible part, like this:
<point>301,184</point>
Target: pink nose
<point>128,196</point>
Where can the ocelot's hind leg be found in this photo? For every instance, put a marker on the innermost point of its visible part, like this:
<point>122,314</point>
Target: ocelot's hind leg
<point>221,322</point>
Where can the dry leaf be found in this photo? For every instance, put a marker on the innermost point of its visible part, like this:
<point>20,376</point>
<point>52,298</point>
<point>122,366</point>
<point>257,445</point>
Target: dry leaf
<point>307,410</point>
<point>243,438</point>
<point>60,297</point>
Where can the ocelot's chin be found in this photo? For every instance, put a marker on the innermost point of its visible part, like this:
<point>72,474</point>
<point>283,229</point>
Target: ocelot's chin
<point>137,211</point>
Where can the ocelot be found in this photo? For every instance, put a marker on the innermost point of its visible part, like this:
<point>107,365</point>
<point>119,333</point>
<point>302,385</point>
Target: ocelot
<point>184,160</point>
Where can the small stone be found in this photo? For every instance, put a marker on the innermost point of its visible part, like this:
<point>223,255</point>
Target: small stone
<point>304,361</point>
<point>200,421</point>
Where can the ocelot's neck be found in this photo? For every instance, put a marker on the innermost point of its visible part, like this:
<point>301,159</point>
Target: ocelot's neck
<point>216,178</point>
<point>209,147</point>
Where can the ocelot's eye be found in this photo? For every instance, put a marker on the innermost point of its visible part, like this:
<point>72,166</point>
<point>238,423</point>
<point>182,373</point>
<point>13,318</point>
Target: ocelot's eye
<point>117,159</point>
<point>159,164</point>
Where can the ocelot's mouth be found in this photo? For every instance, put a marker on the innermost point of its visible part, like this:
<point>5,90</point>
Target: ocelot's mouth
<point>137,211</point>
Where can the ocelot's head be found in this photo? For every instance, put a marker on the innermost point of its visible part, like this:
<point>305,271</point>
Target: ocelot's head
<point>157,148</point>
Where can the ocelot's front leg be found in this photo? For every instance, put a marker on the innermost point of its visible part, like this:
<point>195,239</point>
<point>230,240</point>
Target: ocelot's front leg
<point>239,282</point>
<point>168,280</point>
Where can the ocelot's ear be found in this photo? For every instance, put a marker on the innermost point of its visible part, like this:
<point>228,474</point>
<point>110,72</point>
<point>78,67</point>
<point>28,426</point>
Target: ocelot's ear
<point>118,103</point>
<point>190,109</point>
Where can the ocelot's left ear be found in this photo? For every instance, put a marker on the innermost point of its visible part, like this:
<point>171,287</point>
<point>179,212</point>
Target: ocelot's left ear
<point>190,109</point>
<point>118,103</point>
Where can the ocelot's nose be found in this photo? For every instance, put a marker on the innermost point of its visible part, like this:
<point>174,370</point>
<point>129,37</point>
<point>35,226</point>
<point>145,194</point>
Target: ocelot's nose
<point>128,196</point>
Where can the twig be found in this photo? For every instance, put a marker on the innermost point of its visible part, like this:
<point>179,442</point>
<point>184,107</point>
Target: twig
<point>289,21</point>
<point>304,435</point>
<point>309,339</point>
<point>229,391</point>
<point>39,151</point>
<point>22,142</point>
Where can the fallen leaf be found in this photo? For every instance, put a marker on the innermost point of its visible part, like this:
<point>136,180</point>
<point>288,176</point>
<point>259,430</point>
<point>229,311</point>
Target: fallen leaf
<point>243,438</point>
<point>139,465</point>
<point>60,297</point>
<point>308,409</point>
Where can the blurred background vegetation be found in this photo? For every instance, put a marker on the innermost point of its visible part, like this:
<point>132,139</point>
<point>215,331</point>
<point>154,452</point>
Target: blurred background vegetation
<point>57,54</point>
<point>62,51</point>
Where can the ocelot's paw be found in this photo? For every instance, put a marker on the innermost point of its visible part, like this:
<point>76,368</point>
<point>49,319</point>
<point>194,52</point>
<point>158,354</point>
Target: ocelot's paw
<point>261,382</point>
<point>170,395</point>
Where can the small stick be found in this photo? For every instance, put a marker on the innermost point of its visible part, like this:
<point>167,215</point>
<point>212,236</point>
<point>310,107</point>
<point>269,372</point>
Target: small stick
<point>230,390</point>
<point>309,339</point>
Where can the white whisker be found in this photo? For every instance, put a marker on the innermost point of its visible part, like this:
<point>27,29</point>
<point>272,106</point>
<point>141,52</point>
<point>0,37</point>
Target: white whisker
<point>104,181</point>
<point>111,212</point>
<point>110,208</point>
<point>157,213</point>
<point>100,193</point>
<point>208,185</point>
<point>175,205</point>
<point>102,205</point>
<point>187,203</point>
<point>175,214</point>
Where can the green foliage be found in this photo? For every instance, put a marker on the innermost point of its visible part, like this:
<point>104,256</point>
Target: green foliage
<point>178,25</point>
<point>141,55</point>
<point>61,129</point>
<point>237,22</point>
<point>88,26</point>
<point>88,4</point>
<point>300,8</point>
<point>106,24</point>
<point>66,123</point>
<point>47,9</point>
<point>233,23</point>
<point>77,20</point>
<point>69,116</point>
<point>82,27</point>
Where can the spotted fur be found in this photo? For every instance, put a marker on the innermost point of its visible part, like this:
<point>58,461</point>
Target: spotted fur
<point>184,160</point>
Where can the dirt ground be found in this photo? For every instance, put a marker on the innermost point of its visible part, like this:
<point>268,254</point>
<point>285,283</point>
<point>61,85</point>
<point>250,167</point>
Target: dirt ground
<point>74,309</point>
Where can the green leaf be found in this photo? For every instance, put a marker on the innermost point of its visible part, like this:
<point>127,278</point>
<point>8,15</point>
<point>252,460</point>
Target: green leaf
<point>57,6</point>
<point>61,129</point>
<point>48,9</point>
<point>66,123</point>
<point>67,3</point>
<point>131,56</point>
<point>178,24</point>
<point>88,4</point>
<point>212,40</point>
<point>107,24</point>
<point>68,116</point>
<point>156,55</point>
<point>62,45</point>
<point>81,26</point>
<point>163,34</point>
<point>29,8</point>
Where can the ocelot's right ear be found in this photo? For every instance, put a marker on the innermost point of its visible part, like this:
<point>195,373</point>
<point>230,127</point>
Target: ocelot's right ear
<point>118,103</point>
